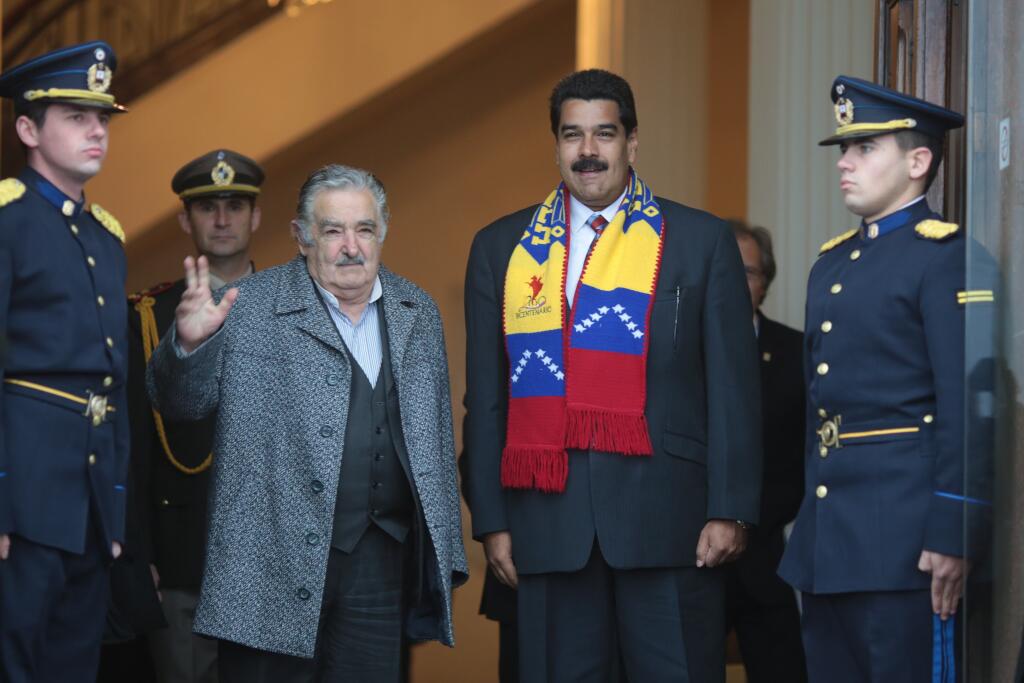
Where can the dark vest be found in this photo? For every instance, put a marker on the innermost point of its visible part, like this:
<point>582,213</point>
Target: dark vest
<point>373,487</point>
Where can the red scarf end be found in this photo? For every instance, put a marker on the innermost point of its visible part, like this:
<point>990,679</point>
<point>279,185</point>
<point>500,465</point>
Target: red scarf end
<point>534,467</point>
<point>608,431</point>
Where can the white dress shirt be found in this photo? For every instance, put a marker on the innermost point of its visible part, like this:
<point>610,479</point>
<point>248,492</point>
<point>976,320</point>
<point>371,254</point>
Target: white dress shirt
<point>582,236</point>
<point>363,337</point>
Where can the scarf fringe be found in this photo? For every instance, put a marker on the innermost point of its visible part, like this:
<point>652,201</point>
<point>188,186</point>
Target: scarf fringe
<point>534,467</point>
<point>608,431</point>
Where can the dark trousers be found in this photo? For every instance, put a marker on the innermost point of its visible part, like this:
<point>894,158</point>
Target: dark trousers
<point>667,624</point>
<point>767,627</point>
<point>359,637</point>
<point>53,606</point>
<point>883,637</point>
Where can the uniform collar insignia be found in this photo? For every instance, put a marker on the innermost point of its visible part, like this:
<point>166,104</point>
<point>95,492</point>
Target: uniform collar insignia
<point>64,204</point>
<point>908,215</point>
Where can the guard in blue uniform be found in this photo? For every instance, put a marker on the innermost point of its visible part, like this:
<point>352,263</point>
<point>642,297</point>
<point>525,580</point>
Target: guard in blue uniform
<point>63,416</point>
<point>877,548</point>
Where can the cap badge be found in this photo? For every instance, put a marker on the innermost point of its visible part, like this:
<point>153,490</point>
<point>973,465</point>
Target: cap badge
<point>99,77</point>
<point>100,54</point>
<point>844,111</point>
<point>840,89</point>
<point>222,173</point>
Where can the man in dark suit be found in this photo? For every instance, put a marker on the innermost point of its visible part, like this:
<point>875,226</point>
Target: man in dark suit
<point>63,413</point>
<point>218,191</point>
<point>615,460</point>
<point>759,605</point>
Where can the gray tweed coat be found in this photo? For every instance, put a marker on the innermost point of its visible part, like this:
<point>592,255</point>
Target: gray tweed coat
<point>278,380</point>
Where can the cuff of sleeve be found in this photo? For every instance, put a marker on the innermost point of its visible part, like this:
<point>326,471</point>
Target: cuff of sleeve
<point>945,530</point>
<point>483,525</point>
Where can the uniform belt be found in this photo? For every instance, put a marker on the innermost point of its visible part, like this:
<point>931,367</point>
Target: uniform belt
<point>831,435</point>
<point>95,405</point>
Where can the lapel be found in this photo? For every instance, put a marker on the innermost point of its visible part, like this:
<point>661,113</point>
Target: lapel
<point>400,312</point>
<point>296,295</point>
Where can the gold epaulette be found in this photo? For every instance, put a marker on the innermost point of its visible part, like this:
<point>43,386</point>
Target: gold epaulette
<point>11,190</point>
<point>107,221</point>
<point>151,292</point>
<point>836,241</point>
<point>935,230</point>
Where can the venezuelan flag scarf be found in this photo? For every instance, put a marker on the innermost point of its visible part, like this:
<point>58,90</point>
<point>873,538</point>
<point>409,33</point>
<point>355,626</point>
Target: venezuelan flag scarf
<point>579,381</point>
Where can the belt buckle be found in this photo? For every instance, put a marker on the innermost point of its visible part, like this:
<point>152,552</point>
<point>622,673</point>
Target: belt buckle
<point>829,432</point>
<point>96,409</point>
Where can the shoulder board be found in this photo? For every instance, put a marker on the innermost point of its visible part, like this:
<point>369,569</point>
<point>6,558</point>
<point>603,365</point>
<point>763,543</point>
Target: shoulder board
<point>152,291</point>
<point>11,190</point>
<point>836,241</point>
<point>107,221</point>
<point>935,230</point>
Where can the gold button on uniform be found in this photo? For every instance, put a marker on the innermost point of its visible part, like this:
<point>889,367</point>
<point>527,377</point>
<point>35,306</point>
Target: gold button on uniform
<point>110,342</point>
<point>821,491</point>
<point>826,326</point>
<point>822,368</point>
<point>100,300</point>
<point>91,261</point>
<point>823,451</point>
<point>68,207</point>
<point>74,229</point>
<point>928,419</point>
<point>108,380</point>
<point>873,230</point>
<point>855,254</point>
<point>92,458</point>
<point>836,288</point>
<point>822,412</point>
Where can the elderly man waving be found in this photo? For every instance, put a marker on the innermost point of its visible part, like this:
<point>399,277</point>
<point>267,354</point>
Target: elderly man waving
<point>334,514</point>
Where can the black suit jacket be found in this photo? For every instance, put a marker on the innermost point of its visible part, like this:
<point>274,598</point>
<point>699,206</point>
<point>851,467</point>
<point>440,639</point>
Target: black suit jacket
<point>703,413</point>
<point>784,413</point>
<point>171,505</point>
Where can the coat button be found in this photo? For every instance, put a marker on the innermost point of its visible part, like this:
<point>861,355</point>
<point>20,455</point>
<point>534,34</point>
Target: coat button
<point>379,430</point>
<point>822,368</point>
<point>823,451</point>
<point>836,288</point>
<point>303,594</point>
<point>332,380</point>
<point>317,486</point>
<point>826,326</point>
<point>110,342</point>
<point>100,300</point>
<point>375,512</point>
<point>74,229</point>
<point>376,485</point>
<point>92,458</point>
<point>108,380</point>
<point>821,491</point>
<point>312,538</point>
<point>377,457</point>
<point>928,419</point>
<point>91,261</point>
<point>822,412</point>
<point>855,254</point>
<point>326,431</point>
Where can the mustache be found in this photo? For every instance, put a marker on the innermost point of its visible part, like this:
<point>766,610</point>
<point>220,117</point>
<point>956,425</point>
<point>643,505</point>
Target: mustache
<point>350,261</point>
<point>589,164</point>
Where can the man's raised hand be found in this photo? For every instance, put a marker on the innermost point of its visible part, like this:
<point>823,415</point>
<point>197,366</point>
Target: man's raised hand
<point>197,316</point>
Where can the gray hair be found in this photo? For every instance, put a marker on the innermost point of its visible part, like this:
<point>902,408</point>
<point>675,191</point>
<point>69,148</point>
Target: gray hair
<point>763,239</point>
<point>338,177</point>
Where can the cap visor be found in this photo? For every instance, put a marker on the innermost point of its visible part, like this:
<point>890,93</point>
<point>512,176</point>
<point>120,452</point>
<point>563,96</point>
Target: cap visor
<point>837,139</point>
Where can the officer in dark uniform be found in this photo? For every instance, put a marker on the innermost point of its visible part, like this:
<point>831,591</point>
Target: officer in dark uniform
<point>218,191</point>
<point>877,548</point>
<point>63,413</point>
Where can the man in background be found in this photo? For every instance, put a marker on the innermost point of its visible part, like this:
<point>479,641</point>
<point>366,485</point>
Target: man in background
<point>760,606</point>
<point>218,191</point>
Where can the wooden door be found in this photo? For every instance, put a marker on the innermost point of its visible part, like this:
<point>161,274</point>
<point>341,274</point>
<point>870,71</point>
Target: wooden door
<point>921,50</point>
